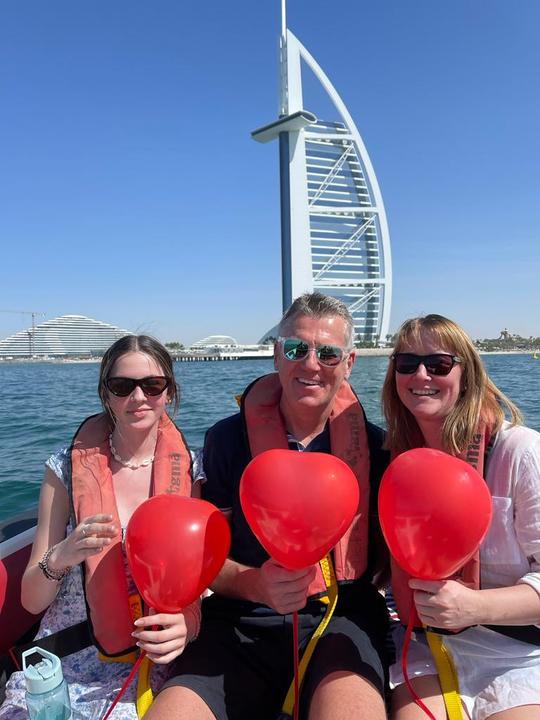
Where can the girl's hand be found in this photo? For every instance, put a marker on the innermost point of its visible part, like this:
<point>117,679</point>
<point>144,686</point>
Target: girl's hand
<point>163,644</point>
<point>89,538</point>
<point>446,603</point>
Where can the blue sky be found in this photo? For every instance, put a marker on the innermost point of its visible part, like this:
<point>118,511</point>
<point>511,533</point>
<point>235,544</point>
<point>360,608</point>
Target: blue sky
<point>131,191</point>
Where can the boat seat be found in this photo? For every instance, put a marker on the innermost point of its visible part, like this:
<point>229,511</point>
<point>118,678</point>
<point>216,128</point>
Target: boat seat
<point>16,537</point>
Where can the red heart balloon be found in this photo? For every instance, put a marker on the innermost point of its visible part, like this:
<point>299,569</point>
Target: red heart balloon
<point>175,547</point>
<point>435,510</point>
<point>297,504</point>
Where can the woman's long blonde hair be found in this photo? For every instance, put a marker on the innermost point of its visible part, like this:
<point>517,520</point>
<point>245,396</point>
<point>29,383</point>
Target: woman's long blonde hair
<point>480,400</point>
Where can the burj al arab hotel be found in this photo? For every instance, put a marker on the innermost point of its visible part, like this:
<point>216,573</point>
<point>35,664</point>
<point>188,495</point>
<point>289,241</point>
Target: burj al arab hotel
<point>334,233</point>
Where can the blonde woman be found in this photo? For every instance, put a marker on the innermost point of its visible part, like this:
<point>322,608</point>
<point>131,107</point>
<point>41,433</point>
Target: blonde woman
<point>437,394</point>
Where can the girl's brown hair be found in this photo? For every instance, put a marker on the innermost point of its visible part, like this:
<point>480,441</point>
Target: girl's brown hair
<point>144,344</point>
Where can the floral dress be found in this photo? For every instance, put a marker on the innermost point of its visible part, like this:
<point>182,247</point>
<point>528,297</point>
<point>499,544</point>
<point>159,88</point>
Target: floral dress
<point>93,684</point>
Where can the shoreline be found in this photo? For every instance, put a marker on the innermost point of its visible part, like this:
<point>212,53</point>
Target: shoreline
<point>360,352</point>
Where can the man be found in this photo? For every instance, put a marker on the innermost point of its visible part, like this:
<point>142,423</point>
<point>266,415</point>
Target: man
<point>240,668</point>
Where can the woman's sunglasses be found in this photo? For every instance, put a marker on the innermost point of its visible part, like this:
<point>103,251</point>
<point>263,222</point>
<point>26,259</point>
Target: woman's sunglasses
<point>124,386</point>
<point>435,364</point>
<point>295,349</point>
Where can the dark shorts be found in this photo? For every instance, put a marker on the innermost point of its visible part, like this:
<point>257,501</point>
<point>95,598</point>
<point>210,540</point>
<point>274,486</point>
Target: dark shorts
<point>242,663</point>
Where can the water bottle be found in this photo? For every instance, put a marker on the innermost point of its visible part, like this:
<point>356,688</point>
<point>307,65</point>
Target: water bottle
<point>47,696</point>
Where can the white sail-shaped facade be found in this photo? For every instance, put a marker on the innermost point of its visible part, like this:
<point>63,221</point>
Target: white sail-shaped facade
<point>334,230</point>
<point>69,335</point>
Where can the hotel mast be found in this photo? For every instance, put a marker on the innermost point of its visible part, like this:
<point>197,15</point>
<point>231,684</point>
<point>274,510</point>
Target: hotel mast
<point>334,233</point>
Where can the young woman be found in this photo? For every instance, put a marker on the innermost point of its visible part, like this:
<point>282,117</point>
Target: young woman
<point>77,568</point>
<point>437,394</point>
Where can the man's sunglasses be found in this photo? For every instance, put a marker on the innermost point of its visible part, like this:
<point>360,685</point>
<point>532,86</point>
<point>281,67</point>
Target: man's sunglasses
<point>295,349</point>
<point>435,364</point>
<point>124,386</point>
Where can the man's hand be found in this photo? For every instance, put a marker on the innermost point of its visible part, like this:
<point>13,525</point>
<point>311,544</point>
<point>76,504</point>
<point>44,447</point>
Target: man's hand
<point>285,591</point>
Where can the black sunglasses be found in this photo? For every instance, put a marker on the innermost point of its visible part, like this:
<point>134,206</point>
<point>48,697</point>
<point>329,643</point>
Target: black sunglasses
<point>124,386</point>
<point>435,364</point>
<point>296,349</point>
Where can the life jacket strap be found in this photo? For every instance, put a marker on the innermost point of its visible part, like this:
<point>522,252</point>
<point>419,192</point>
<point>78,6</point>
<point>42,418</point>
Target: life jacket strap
<point>330,600</point>
<point>447,676</point>
<point>129,657</point>
<point>144,691</point>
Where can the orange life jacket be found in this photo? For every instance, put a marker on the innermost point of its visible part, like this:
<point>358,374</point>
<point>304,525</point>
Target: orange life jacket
<point>348,441</point>
<point>91,489</point>
<point>470,572</point>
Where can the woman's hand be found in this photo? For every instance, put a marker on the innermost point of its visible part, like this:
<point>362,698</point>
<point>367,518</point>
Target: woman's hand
<point>163,644</point>
<point>89,538</point>
<point>446,603</point>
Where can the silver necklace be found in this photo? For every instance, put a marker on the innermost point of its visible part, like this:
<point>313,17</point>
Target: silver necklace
<point>128,463</point>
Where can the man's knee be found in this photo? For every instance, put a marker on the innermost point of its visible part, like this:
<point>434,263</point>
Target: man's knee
<point>343,695</point>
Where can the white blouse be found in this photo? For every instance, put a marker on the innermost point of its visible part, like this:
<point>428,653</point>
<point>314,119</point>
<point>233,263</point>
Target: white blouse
<point>511,551</point>
<point>496,672</point>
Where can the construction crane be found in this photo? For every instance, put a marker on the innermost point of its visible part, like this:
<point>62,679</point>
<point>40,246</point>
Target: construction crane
<point>31,332</point>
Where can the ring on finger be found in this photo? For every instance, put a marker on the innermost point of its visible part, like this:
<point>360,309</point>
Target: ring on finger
<point>83,530</point>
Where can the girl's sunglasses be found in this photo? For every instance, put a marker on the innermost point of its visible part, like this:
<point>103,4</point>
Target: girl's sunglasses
<point>435,364</point>
<point>295,349</point>
<point>124,386</point>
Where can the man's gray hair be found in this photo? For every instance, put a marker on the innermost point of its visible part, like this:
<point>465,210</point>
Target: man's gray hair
<point>317,305</point>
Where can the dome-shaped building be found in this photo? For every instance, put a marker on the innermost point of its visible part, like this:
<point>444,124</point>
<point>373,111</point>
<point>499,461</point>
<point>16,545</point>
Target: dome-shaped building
<point>218,342</point>
<point>65,336</point>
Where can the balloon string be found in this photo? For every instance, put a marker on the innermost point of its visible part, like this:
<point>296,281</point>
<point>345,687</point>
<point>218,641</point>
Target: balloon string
<point>125,685</point>
<point>295,655</point>
<point>408,634</point>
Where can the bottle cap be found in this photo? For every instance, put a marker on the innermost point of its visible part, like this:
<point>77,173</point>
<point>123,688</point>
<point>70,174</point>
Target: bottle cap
<point>44,675</point>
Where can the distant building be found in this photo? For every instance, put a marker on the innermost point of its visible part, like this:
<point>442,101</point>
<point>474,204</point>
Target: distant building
<point>216,342</point>
<point>334,232</point>
<point>69,335</point>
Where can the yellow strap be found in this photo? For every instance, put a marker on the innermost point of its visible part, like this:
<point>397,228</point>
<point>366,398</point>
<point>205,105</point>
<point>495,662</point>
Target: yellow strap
<point>330,600</point>
<point>447,676</point>
<point>135,606</point>
<point>129,657</point>
<point>145,696</point>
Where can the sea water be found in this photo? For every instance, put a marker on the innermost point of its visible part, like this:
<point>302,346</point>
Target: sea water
<point>43,404</point>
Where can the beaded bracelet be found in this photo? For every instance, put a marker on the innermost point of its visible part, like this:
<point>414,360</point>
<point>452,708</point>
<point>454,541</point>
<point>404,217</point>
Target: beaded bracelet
<point>50,574</point>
